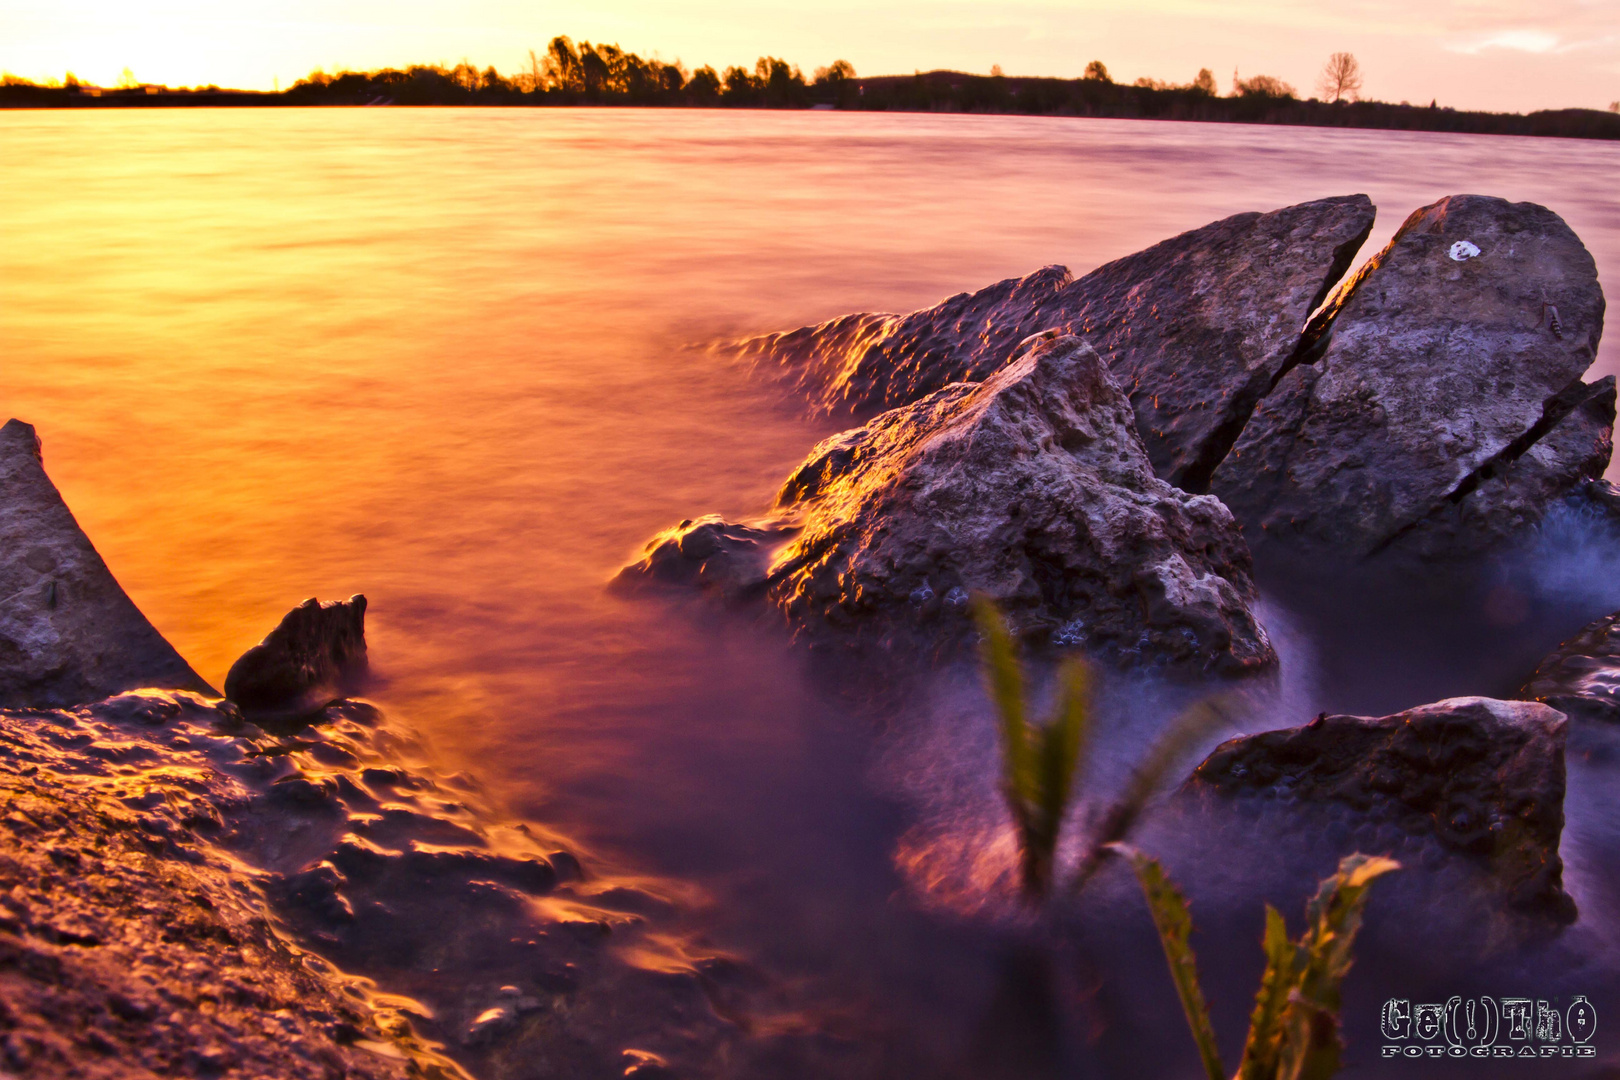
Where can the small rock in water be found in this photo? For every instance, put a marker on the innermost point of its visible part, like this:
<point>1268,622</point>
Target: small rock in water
<point>490,1025</point>
<point>316,655</point>
<point>708,553</point>
<point>1581,678</point>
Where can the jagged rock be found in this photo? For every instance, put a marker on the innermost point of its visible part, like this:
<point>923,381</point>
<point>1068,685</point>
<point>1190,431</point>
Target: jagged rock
<point>68,633</point>
<point>1438,406</point>
<point>1034,489</point>
<point>1483,777</point>
<point>1582,676</point>
<point>709,554</point>
<point>1196,329</point>
<point>314,656</point>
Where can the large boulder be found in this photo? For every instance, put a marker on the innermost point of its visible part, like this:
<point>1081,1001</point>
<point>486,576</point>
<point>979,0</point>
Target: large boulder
<point>314,656</point>
<point>1034,489</point>
<point>1482,778</point>
<point>861,364</point>
<point>1197,329</point>
<point>1438,407</point>
<point>68,632</point>
<point>1581,678</point>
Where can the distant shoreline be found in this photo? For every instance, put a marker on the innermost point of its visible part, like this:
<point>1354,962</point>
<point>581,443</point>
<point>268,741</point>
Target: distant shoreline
<point>930,92</point>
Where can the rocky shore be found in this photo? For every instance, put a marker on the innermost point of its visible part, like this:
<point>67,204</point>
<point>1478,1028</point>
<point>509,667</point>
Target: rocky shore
<point>275,882</point>
<point>1118,459</point>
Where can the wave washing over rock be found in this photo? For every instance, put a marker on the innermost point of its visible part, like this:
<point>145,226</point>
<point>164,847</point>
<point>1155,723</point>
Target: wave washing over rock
<point>1409,424</point>
<point>279,888</point>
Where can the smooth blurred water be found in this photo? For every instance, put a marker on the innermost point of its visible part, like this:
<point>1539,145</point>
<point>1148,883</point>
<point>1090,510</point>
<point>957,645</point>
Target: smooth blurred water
<point>444,357</point>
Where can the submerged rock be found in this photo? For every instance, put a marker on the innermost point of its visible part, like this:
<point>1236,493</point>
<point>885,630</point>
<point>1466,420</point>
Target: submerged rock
<point>68,633</point>
<point>1034,489</point>
<point>1439,407</point>
<point>1483,778</point>
<point>1196,329</point>
<point>314,656</point>
<point>707,553</point>
<point>1582,676</point>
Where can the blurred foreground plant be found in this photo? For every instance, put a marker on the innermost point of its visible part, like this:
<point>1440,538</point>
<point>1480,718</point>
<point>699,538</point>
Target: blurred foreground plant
<point>1040,761</point>
<point>1294,1030</point>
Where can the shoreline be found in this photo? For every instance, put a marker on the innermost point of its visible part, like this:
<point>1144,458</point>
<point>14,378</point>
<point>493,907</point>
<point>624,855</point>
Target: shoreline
<point>931,93</point>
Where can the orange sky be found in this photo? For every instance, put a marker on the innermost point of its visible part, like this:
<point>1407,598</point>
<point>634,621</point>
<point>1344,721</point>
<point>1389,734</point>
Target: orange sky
<point>1491,54</point>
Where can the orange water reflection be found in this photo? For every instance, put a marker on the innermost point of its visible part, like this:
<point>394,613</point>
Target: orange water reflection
<point>437,356</point>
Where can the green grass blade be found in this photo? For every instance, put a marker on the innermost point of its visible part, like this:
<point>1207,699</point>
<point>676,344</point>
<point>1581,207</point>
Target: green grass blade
<point>1183,733</point>
<point>1174,923</point>
<point>1278,980</point>
<point>1055,757</point>
<point>1006,681</point>
<point>1311,1042</point>
<point>1062,741</point>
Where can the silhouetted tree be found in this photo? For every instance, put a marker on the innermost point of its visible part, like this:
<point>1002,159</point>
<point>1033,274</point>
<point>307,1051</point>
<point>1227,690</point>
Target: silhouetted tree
<point>1204,83</point>
<point>562,67</point>
<point>1263,86</point>
<point>704,85</point>
<point>1097,71</point>
<point>465,75</point>
<point>1341,78</point>
<point>740,87</point>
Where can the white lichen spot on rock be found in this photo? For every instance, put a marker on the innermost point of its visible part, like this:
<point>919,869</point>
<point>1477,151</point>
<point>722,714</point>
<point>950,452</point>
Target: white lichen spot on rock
<point>1463,250</point>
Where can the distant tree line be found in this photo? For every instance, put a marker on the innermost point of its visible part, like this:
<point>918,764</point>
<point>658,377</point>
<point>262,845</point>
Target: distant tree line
<point>586,74</point>
<point>566,73</point>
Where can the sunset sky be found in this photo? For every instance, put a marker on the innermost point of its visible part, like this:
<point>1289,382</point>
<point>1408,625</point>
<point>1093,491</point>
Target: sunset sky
<point>1490,54</point>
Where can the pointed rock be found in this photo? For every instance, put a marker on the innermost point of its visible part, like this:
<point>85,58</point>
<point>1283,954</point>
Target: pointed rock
<point>1439,406</point>
<point>859,365</point>
<point>68,633</point>
<point>1196,329</point>
<point>1034,489</point>
<point>314,656</point>
<point>1484,778</point>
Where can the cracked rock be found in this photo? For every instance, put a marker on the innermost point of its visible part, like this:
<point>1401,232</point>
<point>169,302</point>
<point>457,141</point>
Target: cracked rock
<point>1196,329</point>
<point>1440,407</point>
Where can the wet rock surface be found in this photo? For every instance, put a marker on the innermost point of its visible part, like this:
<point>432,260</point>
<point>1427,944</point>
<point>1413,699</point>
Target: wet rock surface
<point>1196,329</point>
<point>710,554</point>
<point>133,947</point>
<point>68,632</point>
<point>191,894</point>
<point>1482,778</point>
<point>1581,678</point>
<point>1033,489</point>
<point>1438,407</point>
<point>314,656</point>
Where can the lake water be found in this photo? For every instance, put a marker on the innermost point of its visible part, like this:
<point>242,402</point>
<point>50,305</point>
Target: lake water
<point>452,359</point>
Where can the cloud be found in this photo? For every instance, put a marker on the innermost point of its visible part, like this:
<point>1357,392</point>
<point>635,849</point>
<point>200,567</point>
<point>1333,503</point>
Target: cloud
<point>1530,41</point>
